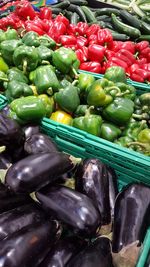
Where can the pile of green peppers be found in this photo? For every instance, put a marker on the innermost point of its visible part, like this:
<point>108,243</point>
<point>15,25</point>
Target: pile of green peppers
<point>39,78</point>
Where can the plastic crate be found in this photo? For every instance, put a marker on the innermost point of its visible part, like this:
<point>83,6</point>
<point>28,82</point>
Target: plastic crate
<point>3,101</point>
<point>60,133</point>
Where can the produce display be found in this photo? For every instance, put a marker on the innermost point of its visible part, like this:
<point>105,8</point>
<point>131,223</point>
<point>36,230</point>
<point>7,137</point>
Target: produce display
<point>57,209</point>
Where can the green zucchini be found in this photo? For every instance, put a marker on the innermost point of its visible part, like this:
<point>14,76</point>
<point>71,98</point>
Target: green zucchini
<point>104,18</point>
<point>145,7</point>
<point>56,10</point>
<point>107,11</point>
<point>79,11</point>
<point>79,2</point>
<point>62,5</point>
<point>90,16</point>
<point>145,27</point>
<point>123,28</point>
<point>144,38</point>
<point>119,36</point>
<point>132,20</point>
<point>74,18</point>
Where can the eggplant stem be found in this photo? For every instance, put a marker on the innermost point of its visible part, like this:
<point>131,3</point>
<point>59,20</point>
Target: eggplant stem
<point>74,160</point>
<point>2,148</point>
<point>33,196</point>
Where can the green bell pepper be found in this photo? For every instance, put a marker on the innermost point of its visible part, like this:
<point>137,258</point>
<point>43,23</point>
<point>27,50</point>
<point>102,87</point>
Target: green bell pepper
<point>142,107</point>
<point>127,90</point>
<point>144,136</point>
<point>89,123</point>
<point>17,89</point>
<point>3,78</point>
<point>119,111</point>
<point>47,41</point>
<point>28,109</point>
<point>25,58</point>
<point>65,60</point>
<point>123,141</point>
<point>115,74</point>
<point>7,49</point>
<point>133,128</point>
<point>68,99</point>
<point>145,99</point>
<point>48,103</point>
<point>44,53</point>
<point>31,39</point>
<point>81,110</point>
<point>3,65</point>
<point>2,36</point>
<point>45,80</point>
<point>17,75</point>
<point>110,131</point>
<point>84,81</point>
<point>10,34</point>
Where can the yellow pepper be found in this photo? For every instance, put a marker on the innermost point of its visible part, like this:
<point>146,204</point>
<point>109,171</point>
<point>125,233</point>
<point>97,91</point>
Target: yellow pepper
<point>62,117</point>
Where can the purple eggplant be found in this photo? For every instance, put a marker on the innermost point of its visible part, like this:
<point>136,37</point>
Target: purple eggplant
<point>62,252</point>
<point>28,246</point>
<point>31,129</point>
<point>36,171</point>
<point>97,254</point>
<point>113,188</point>
<point>71,207</point>
<point>15,219</point>
<point>131,216</point>
<point>39,143</point>
<point>92,179</point>
<point>5,161</point>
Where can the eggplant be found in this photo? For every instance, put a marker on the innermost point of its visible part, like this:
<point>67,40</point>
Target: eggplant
<point>28,246</point>
<point>131,215</point>
<point>39,143</point>
<point>5,161</point>
<point>97,254</point>
<point>36,171</point>
<point>91,178</point>
<point>71,207</point>
<point>31,129</point>
<point>15,219</point>
<point>113,188</point>
<point>62,252</point>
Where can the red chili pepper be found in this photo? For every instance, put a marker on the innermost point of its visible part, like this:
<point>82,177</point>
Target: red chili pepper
<point>25,10</point>
<point>96,52</point>
<point>80,55</point>
<point>128,45</point>
<point>93,39</point>
<point>68,40</point>
<point>141,46</point>
<point>126,56</point>
<point>91,66</point>
<point>82,28</point>
<point>104,36</point>
<point>45,13</point>
<point>119,62</point>
<point>109,54</point>
<point>31,27</point>
<point>93,29</point>
<point>61,18</point>
<point>72,29</point>
<point>81,41</point>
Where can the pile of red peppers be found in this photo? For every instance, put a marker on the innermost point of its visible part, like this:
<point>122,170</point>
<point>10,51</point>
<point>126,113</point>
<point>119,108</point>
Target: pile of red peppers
<point>94,46</point>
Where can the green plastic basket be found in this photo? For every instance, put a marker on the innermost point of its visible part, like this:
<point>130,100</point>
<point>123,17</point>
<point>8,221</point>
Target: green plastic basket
<point>85,148</point>
<point>3,101</point>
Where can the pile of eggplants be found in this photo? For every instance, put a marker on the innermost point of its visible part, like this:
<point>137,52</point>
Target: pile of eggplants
<point>55,209</point>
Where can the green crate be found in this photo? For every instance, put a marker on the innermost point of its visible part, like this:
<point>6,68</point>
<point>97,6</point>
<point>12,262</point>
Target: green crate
<point>62,135</point>
<point>3,101</point>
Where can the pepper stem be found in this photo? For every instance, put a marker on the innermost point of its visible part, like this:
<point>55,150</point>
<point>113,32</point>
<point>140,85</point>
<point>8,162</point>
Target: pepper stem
<point>87,113</point>
<point>45,62</point>
<point>140,116</point>
<point>109,89</point>
<point>25,66</point>
<point>4,79</point>
<point>124,93</point>
<point>75,73</point>
<point>138,144</point>
<point>75,82</point>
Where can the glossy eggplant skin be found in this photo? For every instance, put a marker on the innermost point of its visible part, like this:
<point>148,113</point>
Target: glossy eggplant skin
<point>5,161</point>
<point>71,207</point>
<point>92,179</point>
<point>113,188</point>
<point>29,246</point>
<point>15,219</point>
<point>131,215</point>
<point>97,254</point>
<point>62,252</point>
<point>31,129</point>
<point>36,171</point>
<point>39,143</point>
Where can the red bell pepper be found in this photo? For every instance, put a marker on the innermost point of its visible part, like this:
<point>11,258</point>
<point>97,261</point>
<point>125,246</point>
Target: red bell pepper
<point>146,66</point>
<point>72,29</point>
<point>68,40</point>
<point>31,27</point>
<point>81,41</point>
<point>141,61</point>
<point>82,28</point>
<point>61,18</point>
<point>96,52</point>
<point>93,39</point>
<point>104,37</point>
<point>45,13</point>
<point>58,29</point>
<point>126,56</point>
<point>80,55</point>
<point>109,54</point>
<point>129,46</point>
<point>25,10</point>
<point>103,67</point>
<point>93,29</point>
<point>119,62</point>
<point>115,46</point>
<point>91,66</point>
<point>136,77</point>
<point>141,46</point>
<point>145,52</point>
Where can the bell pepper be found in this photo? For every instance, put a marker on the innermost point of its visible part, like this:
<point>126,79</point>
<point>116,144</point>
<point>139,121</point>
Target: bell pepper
<point>68,98</point>
<point>110,131</point>
<point>11,34</point>
<point>16,89</point>
<point>81,28</point>
<point>84,81</point>
<point>25,10</point>
<point>15,74</point>
<point>61,18</point>
<point>142,144</point>
<point>2,36</point>
<point>48,103</point>
<point>126,56</point>
<point>96,52</point>
<point>133,128</point>
<point>68,40</point>
<point>45,80</point>
<point>80,55</point>
<point>47,41</point>
<point>64,59</point>
<point>25,58</point>
<point>81,41</point>
<point>91,66</point>
<point>127,91</point>
<point>93,29</point>
<point>119,111</point>
<point>104,37</point>
<point>92,39</point>
<point>115,74</point>
<point>7,49</point>
<point>123,141</point>
<point>3,78</point>
<point>58,29</point>
<point>90,123</point>
<point>31,39</point>
<point>45,54</point>
<point>61,116</point>
<point>129,46</point>
<point>45,13</point>
<point>3,65</point>
<point>28,109</point>
<point>81,110</point>
<point>116,61</point>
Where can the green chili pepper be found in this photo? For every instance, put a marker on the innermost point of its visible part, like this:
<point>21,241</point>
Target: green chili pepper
<point>15,74</point>
<point>31,39</point>
<point>3,65</point>
<point>115,74</point>
<point>45,80</point>
<point>110,131</point>
<point>119,111</point>
<point>28,109</point>
<point>25,58</point>
<point>7,49</point>
<point>65,59</point>
<point>44,53</point>
<point>17,89</point>
<point>68,99</point>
